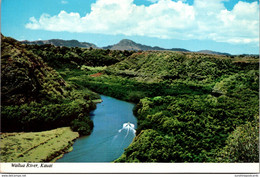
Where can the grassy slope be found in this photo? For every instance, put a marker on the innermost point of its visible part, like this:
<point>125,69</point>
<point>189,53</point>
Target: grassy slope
<point>37,146</point>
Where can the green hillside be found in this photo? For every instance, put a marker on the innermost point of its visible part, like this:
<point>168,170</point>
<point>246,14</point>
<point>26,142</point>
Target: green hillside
<point>173,66</point>
<point>35,97</point>
<point>25,77</point>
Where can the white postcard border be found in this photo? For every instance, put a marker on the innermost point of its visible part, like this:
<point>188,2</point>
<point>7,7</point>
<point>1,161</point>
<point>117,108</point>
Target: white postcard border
<point>184,168</point>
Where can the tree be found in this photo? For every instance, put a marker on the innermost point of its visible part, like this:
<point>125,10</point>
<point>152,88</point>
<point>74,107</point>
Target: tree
<point>242,144</point>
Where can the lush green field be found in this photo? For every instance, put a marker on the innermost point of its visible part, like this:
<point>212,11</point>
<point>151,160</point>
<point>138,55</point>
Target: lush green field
<point>36,146</point>
<point>190,107</point>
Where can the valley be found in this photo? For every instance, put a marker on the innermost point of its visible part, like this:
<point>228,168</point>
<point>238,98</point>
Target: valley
<point>190,107</point>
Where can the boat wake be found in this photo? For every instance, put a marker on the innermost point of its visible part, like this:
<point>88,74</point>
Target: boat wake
<point>126,132</point>
<point>129,127</point>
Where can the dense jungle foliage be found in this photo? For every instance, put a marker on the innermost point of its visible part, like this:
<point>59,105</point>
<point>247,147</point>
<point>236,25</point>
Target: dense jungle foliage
<point>35,97</point>
<point>190,107</point>
<point>219,124</point>
<point>61,57</point>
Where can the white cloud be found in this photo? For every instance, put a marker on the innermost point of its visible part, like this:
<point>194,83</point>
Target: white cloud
<point>241,25</point>
<point>64,2</point>
<point>163,19</point>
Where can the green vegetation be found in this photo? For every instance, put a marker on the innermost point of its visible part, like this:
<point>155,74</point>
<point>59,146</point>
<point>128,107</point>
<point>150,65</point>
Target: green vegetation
<point>40,116</point>
<point>242,145</point>
<point>74,57</point>
<point>37,146</point>
<point>193,127</point>
<point>188,110</point>
<point>195,111</point>
<point>173,66</point>
<point>191,107</point>
<point>36,98</point>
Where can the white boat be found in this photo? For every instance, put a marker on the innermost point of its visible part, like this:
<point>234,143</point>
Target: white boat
<point>128,125</point>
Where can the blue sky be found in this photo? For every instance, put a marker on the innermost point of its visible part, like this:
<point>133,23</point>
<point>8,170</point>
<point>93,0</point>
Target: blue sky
<point>222,25</point>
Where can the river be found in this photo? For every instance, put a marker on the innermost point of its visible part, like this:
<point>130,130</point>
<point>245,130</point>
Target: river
<point>108,138</point>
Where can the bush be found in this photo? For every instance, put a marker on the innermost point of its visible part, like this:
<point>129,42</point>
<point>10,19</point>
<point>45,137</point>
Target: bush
<point>46,116</point>
<point>82,125</point>
<point>242,144</point>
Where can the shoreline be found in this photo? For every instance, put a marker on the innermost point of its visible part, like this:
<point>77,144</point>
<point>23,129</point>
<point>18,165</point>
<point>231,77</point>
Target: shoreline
<point>69,149</point>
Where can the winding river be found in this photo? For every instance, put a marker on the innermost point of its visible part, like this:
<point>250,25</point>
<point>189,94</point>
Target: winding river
<point>113,131</point>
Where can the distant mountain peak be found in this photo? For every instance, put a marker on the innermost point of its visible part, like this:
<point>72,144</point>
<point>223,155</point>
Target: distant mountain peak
<point>127,44</point>
<point>126,41</point>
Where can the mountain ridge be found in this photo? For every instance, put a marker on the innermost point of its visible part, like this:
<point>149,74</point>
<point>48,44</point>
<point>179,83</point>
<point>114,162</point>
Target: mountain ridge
<point>124,44</point>
<point>212,52</point>
<point>61,42</point>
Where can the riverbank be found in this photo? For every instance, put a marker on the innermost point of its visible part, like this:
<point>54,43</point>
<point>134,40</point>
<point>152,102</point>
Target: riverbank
<point>44,146</point>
